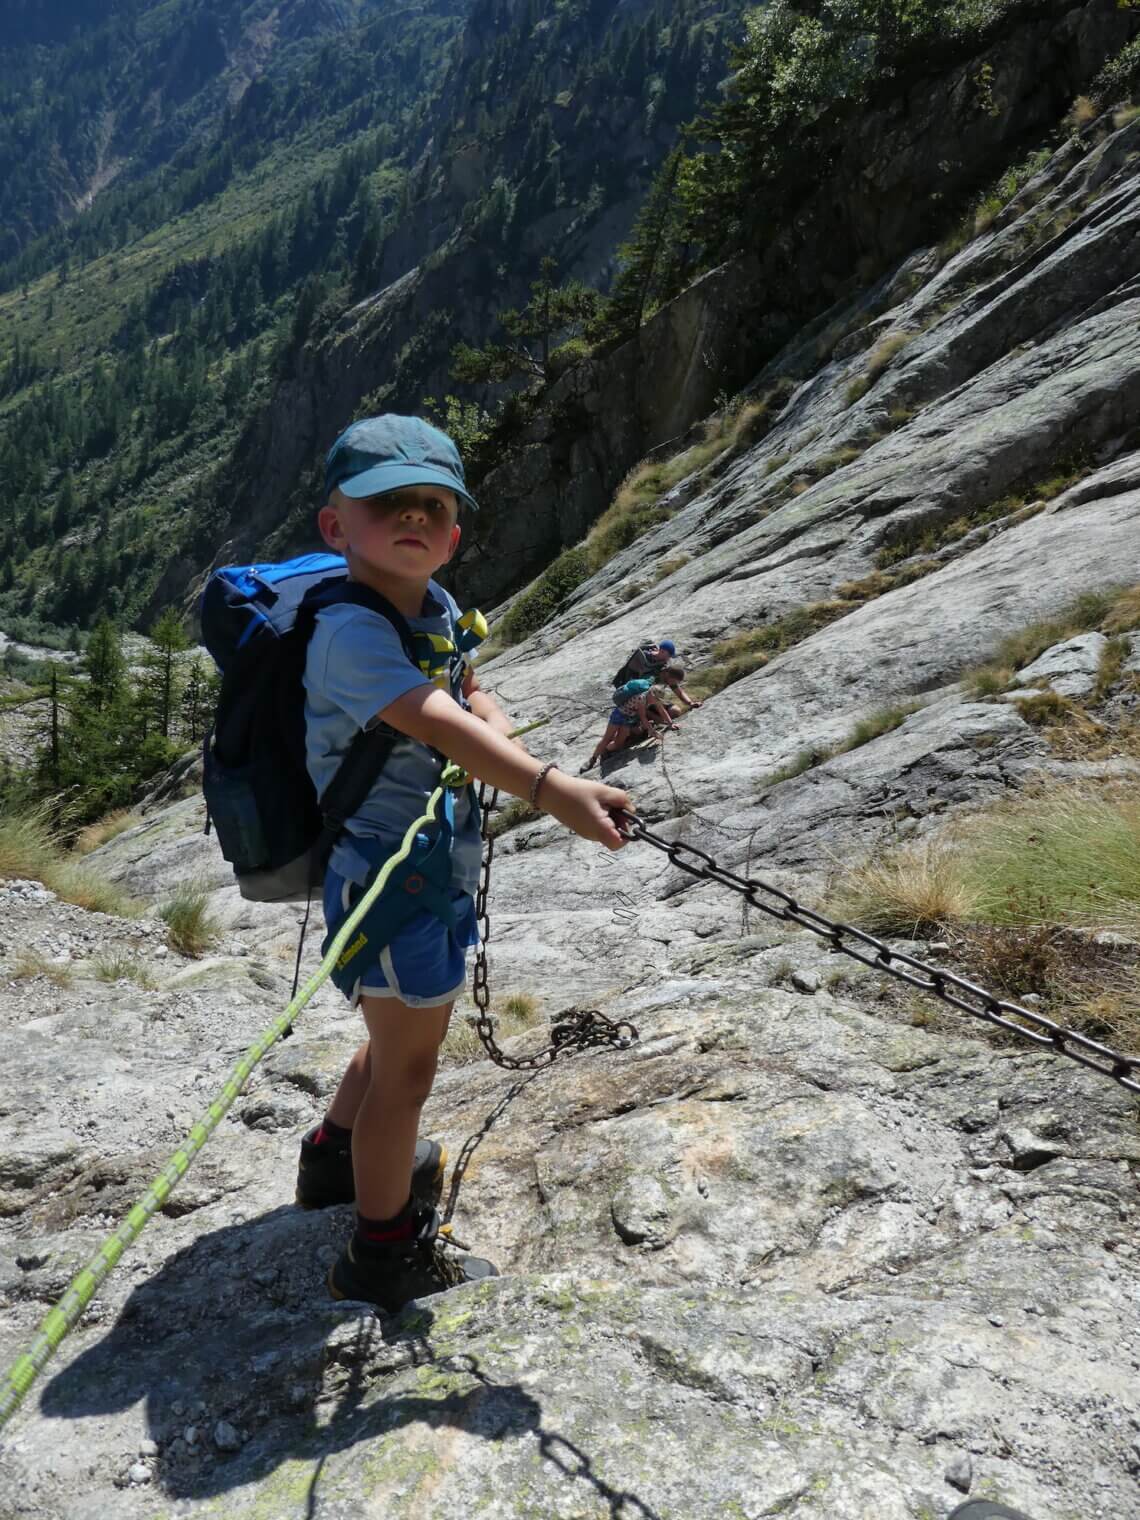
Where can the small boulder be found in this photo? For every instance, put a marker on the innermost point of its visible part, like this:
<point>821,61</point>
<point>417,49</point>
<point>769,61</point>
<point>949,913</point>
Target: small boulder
<point>1069,669</point>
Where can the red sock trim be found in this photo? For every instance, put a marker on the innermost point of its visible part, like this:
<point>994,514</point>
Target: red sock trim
<point>377,1232</point>
<point>328,1133</point>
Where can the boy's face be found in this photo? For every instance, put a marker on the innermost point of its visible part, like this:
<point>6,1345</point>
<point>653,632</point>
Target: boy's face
<point>408,533</point>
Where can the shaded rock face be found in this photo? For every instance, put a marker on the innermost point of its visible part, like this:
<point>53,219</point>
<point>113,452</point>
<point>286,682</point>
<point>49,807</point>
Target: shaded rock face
<point>787,1253</point>
<point>873,208</point>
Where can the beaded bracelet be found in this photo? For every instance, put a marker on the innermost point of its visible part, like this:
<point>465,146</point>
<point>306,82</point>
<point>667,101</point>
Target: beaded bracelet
<point>539,779</point>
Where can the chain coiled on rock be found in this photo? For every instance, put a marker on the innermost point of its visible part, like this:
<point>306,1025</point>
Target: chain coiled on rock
<point>572,1029</point>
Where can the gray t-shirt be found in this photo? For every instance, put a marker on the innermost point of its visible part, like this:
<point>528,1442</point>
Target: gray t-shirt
<point>354,668</point>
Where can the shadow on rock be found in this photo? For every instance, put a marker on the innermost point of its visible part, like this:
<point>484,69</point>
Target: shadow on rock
<point>245,1365</point>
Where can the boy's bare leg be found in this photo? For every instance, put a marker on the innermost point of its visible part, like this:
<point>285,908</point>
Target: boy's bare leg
<point>612,739</point>
<point>404,1052</point>
<point>353,1085</point>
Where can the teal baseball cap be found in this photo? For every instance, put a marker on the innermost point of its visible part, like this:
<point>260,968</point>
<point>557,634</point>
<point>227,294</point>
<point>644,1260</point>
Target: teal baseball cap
<point>387,453</point>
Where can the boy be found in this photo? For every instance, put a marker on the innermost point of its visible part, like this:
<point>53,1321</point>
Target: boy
<point>634,716</point>
<point>394,487</point>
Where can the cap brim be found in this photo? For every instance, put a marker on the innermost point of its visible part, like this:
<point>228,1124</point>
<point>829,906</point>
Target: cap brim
<point>382,478</point>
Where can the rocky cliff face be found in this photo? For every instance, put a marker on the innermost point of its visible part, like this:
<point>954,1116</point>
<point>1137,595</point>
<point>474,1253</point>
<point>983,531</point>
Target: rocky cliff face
<point>788,1253</point>
<point>892,176</point>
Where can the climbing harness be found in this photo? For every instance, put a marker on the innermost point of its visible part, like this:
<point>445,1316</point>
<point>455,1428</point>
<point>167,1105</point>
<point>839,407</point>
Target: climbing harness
<point>936,980</point>
<point>572,1029</point>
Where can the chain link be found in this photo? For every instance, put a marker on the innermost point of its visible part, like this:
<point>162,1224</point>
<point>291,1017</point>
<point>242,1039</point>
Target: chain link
<point>936,980</point>
<point>572,1029</point>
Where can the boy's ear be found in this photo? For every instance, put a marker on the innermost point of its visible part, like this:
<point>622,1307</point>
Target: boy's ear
<point>328,521</point>
<point>453,542</point>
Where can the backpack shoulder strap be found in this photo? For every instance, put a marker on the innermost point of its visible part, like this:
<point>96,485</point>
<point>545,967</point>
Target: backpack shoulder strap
<point>368,753</point>
<point>333,593</point>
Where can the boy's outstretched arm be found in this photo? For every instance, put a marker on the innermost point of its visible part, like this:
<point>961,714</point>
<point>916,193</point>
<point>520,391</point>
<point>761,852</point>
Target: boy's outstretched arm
<point>486,707</point>
<point>430,715</point>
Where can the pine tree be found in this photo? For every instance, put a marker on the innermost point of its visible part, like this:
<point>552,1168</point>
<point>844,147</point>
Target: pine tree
<point>655,258</point>
<point>199,698</point>
<point>104,665</point>
<point>159,691</point>
<point>553,310</point>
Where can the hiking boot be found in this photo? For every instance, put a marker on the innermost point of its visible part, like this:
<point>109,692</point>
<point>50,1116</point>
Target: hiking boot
<point>324,1176</point>
<point>392,1274</point>
<point>986,1509</point>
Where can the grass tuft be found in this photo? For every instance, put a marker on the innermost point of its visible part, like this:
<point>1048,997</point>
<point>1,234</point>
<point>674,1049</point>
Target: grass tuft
<point>190,928</point>
<point>510,817</point>
<point>104,829</point>
<point>29,851</point>
<point>124,968</point>
<point>912,891</point>
<point>1113,612</point>
<point>31,963</point>
<point>742,653</point>
<point>1021,889</point>
<point>518,1013</point>
<point>877,724</point>
<point>804,761</point>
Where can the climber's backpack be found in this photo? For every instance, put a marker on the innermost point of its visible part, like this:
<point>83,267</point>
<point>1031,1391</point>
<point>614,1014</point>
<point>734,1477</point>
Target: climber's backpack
<point>256,623</point>
<point>638,664</point>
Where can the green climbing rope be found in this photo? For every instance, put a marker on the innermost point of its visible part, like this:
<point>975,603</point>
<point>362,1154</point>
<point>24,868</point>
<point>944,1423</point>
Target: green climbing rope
<point>62,1318</point>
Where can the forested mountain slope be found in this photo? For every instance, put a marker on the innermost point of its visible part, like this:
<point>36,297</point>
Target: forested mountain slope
<point>195,193</point>
<point>814,1243</point>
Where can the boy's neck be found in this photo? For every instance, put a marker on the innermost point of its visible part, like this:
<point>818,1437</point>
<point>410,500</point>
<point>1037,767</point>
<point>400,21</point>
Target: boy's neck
<point>406,596</point>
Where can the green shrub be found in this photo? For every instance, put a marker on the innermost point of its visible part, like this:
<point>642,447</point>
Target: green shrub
<point>1120,77</point>
<point>539,603</point>
<point>190,928</point>
<point>565,356</point>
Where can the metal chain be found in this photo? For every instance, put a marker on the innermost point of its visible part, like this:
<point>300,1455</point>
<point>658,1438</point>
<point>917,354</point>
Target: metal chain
<point>935,980</point>
<point>572,1029</point>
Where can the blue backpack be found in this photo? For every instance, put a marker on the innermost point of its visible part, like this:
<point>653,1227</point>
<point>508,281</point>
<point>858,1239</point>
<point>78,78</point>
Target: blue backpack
<point>256,623</point>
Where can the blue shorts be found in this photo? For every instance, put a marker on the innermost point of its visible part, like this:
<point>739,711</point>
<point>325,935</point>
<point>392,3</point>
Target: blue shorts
<point>623,720</point>
<point>425,965</point>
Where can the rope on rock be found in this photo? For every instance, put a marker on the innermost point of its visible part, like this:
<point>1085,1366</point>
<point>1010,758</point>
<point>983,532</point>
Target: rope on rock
<point>60,1320</point>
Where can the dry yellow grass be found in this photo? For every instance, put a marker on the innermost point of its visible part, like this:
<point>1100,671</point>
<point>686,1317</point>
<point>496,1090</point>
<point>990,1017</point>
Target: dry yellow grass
<point>31,963</point>
<point>518,1012</point>
<point>104,829</point>
<point>29,851</point>
<point>909,892</point>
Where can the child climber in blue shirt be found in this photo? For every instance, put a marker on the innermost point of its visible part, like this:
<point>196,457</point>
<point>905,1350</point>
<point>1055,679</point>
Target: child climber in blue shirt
<point>394,489</point>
